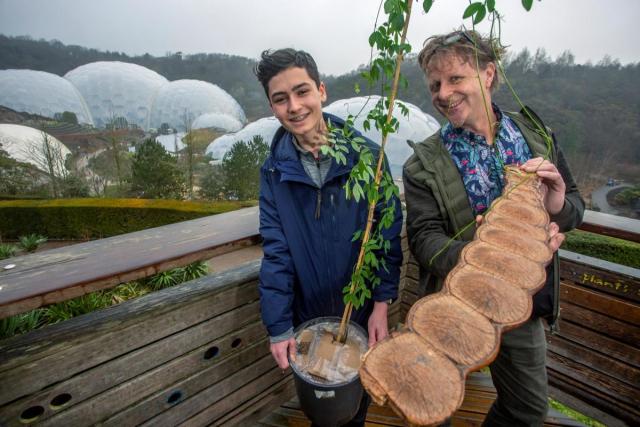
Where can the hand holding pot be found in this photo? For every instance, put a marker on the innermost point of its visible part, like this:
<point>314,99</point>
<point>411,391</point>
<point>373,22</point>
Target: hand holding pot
<point>279,351</point>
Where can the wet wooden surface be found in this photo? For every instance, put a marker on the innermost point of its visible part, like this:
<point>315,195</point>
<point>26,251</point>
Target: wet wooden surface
<point>611,225</point>
<point>71,271</point>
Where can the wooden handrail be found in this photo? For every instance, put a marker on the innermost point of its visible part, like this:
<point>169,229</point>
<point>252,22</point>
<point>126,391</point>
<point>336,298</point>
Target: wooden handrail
<point>611,225</point>
<point>69,272</point>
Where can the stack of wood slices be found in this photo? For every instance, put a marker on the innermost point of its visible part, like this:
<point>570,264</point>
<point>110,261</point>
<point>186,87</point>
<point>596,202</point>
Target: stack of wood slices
<point>420,371</point>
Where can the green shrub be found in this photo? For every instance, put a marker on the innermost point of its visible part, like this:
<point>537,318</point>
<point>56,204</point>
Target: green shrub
<point>30,242</point>
<point>7,251</point>
<point>22,323</point>
<point>603,247</point>
<point>96,218</point>
<point>65,310</point>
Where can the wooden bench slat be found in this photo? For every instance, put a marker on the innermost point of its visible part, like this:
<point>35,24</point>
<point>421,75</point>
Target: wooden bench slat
<point>602,386</point>
<point>259,373</point>
<point>601,303</point>
<point>595,360</point>
<point>605,325</point>
<point>114,342</point>
<point>598,342</point>
<point>593,402</point>
<point>118,383</point>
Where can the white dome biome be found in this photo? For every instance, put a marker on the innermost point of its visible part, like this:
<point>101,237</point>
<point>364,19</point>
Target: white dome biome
<point>417,126</point>
<point>117,89</point>
<point>172,142</point>
<point>265,127</point>
<point>27,145</point>
<point>217,121</point>
<point>42,93</point>
<point>189,99</point>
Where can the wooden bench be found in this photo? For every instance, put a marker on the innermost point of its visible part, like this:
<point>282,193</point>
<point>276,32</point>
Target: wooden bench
<point>593,361</point>
<point>195,353</point>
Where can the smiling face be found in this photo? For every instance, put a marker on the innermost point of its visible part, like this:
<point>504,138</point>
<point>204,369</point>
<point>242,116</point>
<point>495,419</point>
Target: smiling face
<point>296,101</point>
<point>457,94</point>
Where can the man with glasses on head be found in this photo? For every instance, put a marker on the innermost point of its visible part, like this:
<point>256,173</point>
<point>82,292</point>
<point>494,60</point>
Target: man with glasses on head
<point>451,180</point>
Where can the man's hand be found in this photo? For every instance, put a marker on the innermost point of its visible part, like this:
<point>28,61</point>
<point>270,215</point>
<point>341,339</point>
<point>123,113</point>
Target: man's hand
<point>552,180</point>
<point>377,325</point>
<point>555,237</point>
<point>280,349</point>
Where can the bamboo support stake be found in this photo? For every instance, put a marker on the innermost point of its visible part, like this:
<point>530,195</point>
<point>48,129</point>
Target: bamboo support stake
<point>342,332</point>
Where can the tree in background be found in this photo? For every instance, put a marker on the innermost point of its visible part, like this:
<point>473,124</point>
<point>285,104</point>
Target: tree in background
<point>213,185</point>
<point>155,173</point>
<point>116,148</point>
<point>189,152</point>
<point>17,178</point>
<point>241,166</point>
<point>104,167</point>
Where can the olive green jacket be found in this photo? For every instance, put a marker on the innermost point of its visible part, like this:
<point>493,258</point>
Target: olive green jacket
<point>438,206</point>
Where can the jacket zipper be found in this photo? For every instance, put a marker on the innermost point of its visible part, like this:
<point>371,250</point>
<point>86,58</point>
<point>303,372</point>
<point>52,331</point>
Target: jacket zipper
<point>319,194</point>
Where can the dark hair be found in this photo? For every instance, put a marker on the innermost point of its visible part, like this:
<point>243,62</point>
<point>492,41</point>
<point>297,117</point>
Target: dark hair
<point>273,62</point>
<point>465,45</point>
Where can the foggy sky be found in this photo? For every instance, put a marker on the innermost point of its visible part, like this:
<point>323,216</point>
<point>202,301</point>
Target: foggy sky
<point>335,32</point>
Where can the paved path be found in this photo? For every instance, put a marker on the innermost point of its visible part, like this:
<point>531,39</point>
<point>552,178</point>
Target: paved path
<point>599,199</point>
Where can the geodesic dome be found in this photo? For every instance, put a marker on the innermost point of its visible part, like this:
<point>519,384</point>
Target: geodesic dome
<point>114,89</point>
<point>39,92</point>
<point>265,127</point>
<point>182,100</point>
<point>416,127</point>
<point>26,144</point>
<point>172,142</point>
<point>223,122</point>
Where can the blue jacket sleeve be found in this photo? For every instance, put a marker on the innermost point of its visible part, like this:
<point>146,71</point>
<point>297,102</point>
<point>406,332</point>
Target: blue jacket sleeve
<point>276,272</point>
<point>390,278</point>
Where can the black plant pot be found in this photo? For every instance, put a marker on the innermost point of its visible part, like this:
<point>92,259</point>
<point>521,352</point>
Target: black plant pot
<point>328,405</point>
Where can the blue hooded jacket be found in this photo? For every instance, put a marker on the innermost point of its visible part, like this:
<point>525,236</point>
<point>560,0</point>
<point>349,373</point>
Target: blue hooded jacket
<point>307,231</point>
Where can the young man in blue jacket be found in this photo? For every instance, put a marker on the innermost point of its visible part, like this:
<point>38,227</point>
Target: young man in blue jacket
<point>305,219</point>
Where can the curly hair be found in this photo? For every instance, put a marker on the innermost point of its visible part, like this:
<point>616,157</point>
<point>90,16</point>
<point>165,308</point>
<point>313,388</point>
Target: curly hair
<point>465,45</point>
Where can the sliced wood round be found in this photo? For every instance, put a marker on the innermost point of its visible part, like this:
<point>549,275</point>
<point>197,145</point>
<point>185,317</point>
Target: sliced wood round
<point>454,328</point>
<point>421,384</point>
<point>502,302</point>
<point>517,244</point>
<point>520,211</point>
<point>504,264</point>
<point>517,227</point>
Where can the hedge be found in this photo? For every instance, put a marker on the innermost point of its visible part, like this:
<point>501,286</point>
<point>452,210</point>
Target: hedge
<point>608,248</point>
<point>95,218</point>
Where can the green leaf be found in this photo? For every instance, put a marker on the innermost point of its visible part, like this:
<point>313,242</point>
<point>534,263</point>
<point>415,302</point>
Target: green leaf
<point>479,16</point>
<point>356,88</point>
<point>388,6</point>
<point>357,192</point>
<point>426,5</point>
<point>527,4</point>
<point>472,9</point>
<point>356,235</point>
<point>397,21</point>
<point>491,5</point>
<point>372,38</point>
